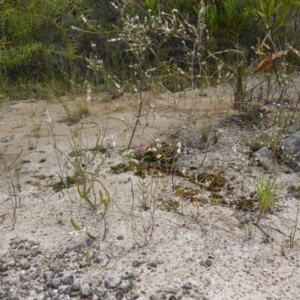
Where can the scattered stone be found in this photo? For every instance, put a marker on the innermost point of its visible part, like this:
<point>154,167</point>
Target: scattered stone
<point>112,282</point>
<point>67,290</point>
<point>68,279</point>
<point>152,264</point>
<point>119,295</point>
<point>85,290</point>
<point>289,151</point>
<point>76,287</point>
<point>171,291</point>
<point>136,263</point>
<point>56,282</point>
<point>126,286</point>
<point>264,157</point>
<point>104,263</point>
<point>208,262</point>
<point>25,264</point>
<point>187,286</point>
<point>7,138</point>
<point>97,260</point>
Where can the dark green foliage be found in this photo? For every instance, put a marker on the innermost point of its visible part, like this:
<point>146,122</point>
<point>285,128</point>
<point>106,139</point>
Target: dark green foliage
<point>44,42</point>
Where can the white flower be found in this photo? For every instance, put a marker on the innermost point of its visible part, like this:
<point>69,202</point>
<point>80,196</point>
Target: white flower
<point>48,118</point>
<point>178,147</point>
<point>83,18</point>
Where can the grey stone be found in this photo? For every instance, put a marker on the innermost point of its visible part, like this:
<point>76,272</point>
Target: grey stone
<point>6,280</point>
<point>68,279</point>
<point>264,157</point>
<point>136,263</point>
<point>112,282</point>
<point>56,282</point>
<point>7,138</point>
<point>128,276</point>
<point>97,260</point>
<point>171,291</point>
<point>152,264</point>
<point>126,286</point>
<point>25,264</point>
<point>48,276</point>
<point>187,286</point>
<point>85,290</point>
<point>119,295</point>
<point>76,287</point>
<point>120,237</point>
<point>208,262</point>
<point>289,151</point>
<point>104,263</point>
<point>67,290</point>
<point>52,266</point>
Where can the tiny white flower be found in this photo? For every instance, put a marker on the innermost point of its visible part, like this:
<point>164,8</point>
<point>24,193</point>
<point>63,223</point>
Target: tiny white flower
<point>83,18</point>
<point>48,118</point>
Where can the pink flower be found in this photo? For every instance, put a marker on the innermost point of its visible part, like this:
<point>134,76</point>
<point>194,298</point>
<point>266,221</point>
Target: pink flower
<point>4,163</point>
<point>142,148</point>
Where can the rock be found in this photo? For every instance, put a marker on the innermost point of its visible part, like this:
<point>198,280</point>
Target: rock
<point>171,291</point>
<point>67,290</point>
<point>85,290</point>
<point>119,295</point>
<point>120,237</point>
<point>76,287</point>
<point>289,151</point>
<point>152,264</point>
<point>68,279</point>
<point>112,282</point>
<point>97,260</point>
<point>136,263</point>
<point>208,262</point>
<point>126,286</point>
<point>25,264</point>
<point>104,263</point>
<point>7,138</point>
<point>264,158</point>
<point>48,277</point>
<point>187,286</point>
<point>56,282</point>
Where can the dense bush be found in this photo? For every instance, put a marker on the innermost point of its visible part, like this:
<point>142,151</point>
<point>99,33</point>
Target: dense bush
<point>43,41</point>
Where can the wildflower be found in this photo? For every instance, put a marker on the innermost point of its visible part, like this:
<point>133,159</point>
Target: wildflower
<point>48,118</point>
<point>93,45</point>
<point>116,84</point>
<point>178,147</point>
<point>114,5</point>
<point>142,148</point>
<point>4,163</point>
<point>88,93</point>
<point>83,18</point>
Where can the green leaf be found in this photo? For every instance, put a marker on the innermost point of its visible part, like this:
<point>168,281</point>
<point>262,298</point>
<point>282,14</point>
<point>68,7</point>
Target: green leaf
<point>75,225</point>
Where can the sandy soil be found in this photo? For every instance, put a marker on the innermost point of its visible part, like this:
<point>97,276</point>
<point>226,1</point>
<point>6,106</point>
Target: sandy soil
<point>246,261</point>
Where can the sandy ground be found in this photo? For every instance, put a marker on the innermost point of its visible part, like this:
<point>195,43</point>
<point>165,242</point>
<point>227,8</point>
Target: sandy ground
<point>245,261</point>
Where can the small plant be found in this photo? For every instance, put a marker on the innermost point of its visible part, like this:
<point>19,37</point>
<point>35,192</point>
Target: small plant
<point>85,164</point>
<point>255,145</point>
<point>266,193</point>
<point>13,182</point>
<point>76,111</point>
<point>293,239</point>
